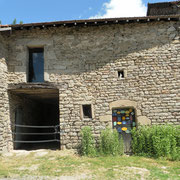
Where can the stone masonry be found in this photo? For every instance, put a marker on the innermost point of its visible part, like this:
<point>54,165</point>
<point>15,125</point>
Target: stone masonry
<point>83,63</point>
<point>4,103</point>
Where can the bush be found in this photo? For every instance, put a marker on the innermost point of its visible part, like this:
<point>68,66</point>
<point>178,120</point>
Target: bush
<point>87,146</point>
<point>157,141</point>
<point>111,143</point>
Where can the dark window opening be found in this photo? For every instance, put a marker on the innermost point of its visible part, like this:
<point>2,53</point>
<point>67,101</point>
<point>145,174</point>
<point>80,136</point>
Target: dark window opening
<point>121,74</point>
<point>36,65</point>
<point>87,113</point>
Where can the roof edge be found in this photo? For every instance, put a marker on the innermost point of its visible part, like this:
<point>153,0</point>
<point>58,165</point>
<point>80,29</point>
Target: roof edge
<point>90,22</point>
<point>167,2</point>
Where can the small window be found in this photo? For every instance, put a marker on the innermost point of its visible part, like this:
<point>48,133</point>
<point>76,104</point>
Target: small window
<point>121,74</point>
<point>36,65</point>
<point>87,111</point>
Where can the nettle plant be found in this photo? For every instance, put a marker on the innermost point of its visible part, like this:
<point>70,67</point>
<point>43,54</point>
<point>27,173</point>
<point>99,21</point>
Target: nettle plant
<point>87,146</point>
<point>157,141</point>
<point>110,143</point>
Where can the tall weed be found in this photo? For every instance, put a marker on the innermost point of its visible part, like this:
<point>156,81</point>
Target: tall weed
<point>157,141</point>
<point>87,146</point>
<point>111,143</point>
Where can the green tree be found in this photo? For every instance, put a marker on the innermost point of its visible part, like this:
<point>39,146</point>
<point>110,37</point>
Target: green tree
<point>21,22</point>
<point>14,21</point>
<point>0,22</point>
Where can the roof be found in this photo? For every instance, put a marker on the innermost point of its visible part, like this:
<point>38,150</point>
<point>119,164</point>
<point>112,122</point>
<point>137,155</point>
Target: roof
<point>170,2</point>
<point>163,8</point>
<point>94,22</point>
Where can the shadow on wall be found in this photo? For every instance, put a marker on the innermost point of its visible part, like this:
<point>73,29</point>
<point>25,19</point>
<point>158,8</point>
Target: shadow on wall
<point>3,47</point>
<point>76,50</point>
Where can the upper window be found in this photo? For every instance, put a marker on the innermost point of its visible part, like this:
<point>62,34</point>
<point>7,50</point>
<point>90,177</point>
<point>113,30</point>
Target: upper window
<point>36,65</point>
<point>121,74</point>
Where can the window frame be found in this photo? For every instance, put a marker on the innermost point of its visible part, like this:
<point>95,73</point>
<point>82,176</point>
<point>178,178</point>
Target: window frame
<point>82,113</point>
<point>89,108</point>
<point>30,62</point>
<point>119,72</point>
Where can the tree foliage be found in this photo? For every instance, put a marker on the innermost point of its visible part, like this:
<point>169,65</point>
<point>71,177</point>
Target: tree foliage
<point>14,21</point>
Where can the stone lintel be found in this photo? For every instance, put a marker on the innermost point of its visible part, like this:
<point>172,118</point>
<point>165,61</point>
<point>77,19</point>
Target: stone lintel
<point>38,91</point>
<point>31,86</point>
<point>122,103</point>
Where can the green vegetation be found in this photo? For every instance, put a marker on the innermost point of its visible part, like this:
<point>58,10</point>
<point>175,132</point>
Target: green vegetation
<point>111,143</point>
<point>14,21</point>
<point>157,141</point>
<point>66,163</point>
<point>149,141</point>
<point>87,146</point>
<point>106,161</point>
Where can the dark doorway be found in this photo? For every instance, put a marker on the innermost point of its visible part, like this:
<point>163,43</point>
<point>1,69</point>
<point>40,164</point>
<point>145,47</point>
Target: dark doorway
<point>37,121</point>
<point>123,120</point>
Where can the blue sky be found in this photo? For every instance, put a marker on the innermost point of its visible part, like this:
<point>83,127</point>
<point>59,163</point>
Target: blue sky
<point>30,11</point>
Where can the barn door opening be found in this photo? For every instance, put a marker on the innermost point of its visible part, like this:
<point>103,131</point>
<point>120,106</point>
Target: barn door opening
<point>123,120</point>
<point>36,124</point>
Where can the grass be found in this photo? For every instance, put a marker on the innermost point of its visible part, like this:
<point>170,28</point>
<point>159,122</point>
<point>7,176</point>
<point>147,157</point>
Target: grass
<point>66,163</point>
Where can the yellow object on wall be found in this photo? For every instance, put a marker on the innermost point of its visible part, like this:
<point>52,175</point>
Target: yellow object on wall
<point>124,129</point>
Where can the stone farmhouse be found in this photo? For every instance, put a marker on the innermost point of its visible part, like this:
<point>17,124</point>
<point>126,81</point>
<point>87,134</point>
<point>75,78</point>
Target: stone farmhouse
<point>61,76</point>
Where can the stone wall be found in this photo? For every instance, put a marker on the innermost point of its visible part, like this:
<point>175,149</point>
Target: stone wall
<point>86,61</point>
<point>4,102</point>
<point>163,8</point>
